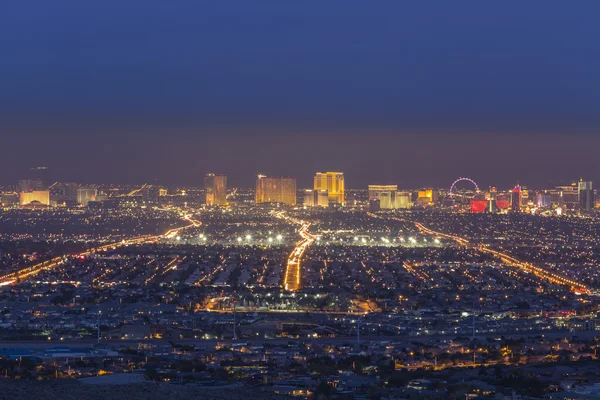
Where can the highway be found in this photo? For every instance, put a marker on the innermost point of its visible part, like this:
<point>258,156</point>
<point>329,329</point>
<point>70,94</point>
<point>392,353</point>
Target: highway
<point>293,274</point>
<point>35,269</point>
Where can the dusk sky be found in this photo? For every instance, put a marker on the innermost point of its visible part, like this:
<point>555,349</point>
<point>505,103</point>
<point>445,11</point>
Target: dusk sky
<point>410,93</point>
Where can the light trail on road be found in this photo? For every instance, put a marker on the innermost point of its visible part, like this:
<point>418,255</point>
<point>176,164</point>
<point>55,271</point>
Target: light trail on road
<point>292,280</point>
<point>35,269</point>
<point>505,257</point>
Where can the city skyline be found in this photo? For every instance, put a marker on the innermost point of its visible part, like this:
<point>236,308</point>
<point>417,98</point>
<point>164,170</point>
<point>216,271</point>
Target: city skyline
<point>316,184</point>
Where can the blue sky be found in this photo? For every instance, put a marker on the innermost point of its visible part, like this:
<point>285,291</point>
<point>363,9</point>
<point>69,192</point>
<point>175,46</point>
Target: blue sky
<point>129,79</point>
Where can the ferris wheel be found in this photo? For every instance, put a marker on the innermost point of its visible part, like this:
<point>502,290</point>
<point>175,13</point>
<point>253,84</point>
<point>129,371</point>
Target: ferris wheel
<point>462,179</point>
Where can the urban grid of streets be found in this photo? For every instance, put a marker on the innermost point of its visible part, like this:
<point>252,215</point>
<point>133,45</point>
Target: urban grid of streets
<point>293,273</point>
<point>35,269</point>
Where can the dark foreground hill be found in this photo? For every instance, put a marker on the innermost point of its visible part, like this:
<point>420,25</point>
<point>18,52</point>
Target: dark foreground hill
<point>64,389</point>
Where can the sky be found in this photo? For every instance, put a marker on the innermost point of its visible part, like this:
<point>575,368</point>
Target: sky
<point>389,92</point>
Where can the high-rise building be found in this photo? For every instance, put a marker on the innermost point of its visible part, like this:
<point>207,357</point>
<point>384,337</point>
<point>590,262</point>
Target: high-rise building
<point>333,182</point>
<point>524,197</point>
<point>69,191</point>
<point>389,197</point>
<point>515,199</point>
<point>587,202</point>
<point>37,180</point>
<point>41,197</point>
<point>386,195</point>
<point>85,195</point>
<point>271,189</point>
<point>316,198</point>
<point>403,200</point>
<point>215,189</point>
<point>569,196</point>
<point>427,197</point>
<point>544,199</point>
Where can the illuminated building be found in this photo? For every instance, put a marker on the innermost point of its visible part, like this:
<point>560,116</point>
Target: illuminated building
<point>333,182</point>
<point>85,195</point>
<point>316,198</point>
<point>427,197</point>
<point>41,197</point>
<point>586,197</point>
<point>386,194</point>
<point>502,202</point>
<point>569,196</point>
<point>515,199</point>
<point>556,197</point>
<point>544,199</point>
<point>215,188</point>
<point>403,200</point>
<point>375,189</point>
<point>524,196</point>
<point>162,192</point>
<point>271,189</point>
<point>479,205</point>
<point>37,180</point>
<point>389,197</point>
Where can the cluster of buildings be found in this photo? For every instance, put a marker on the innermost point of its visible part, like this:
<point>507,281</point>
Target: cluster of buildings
<point>329,190</point>
<point>579,197</point>
<point>35,192</point>
<point>438,368</point>
<point>380,299</point>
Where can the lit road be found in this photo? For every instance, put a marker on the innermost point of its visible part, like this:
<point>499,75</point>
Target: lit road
<point>505,257</point>
<point>293,270</point>
<point>35,269</point>
<point>135,192</point>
